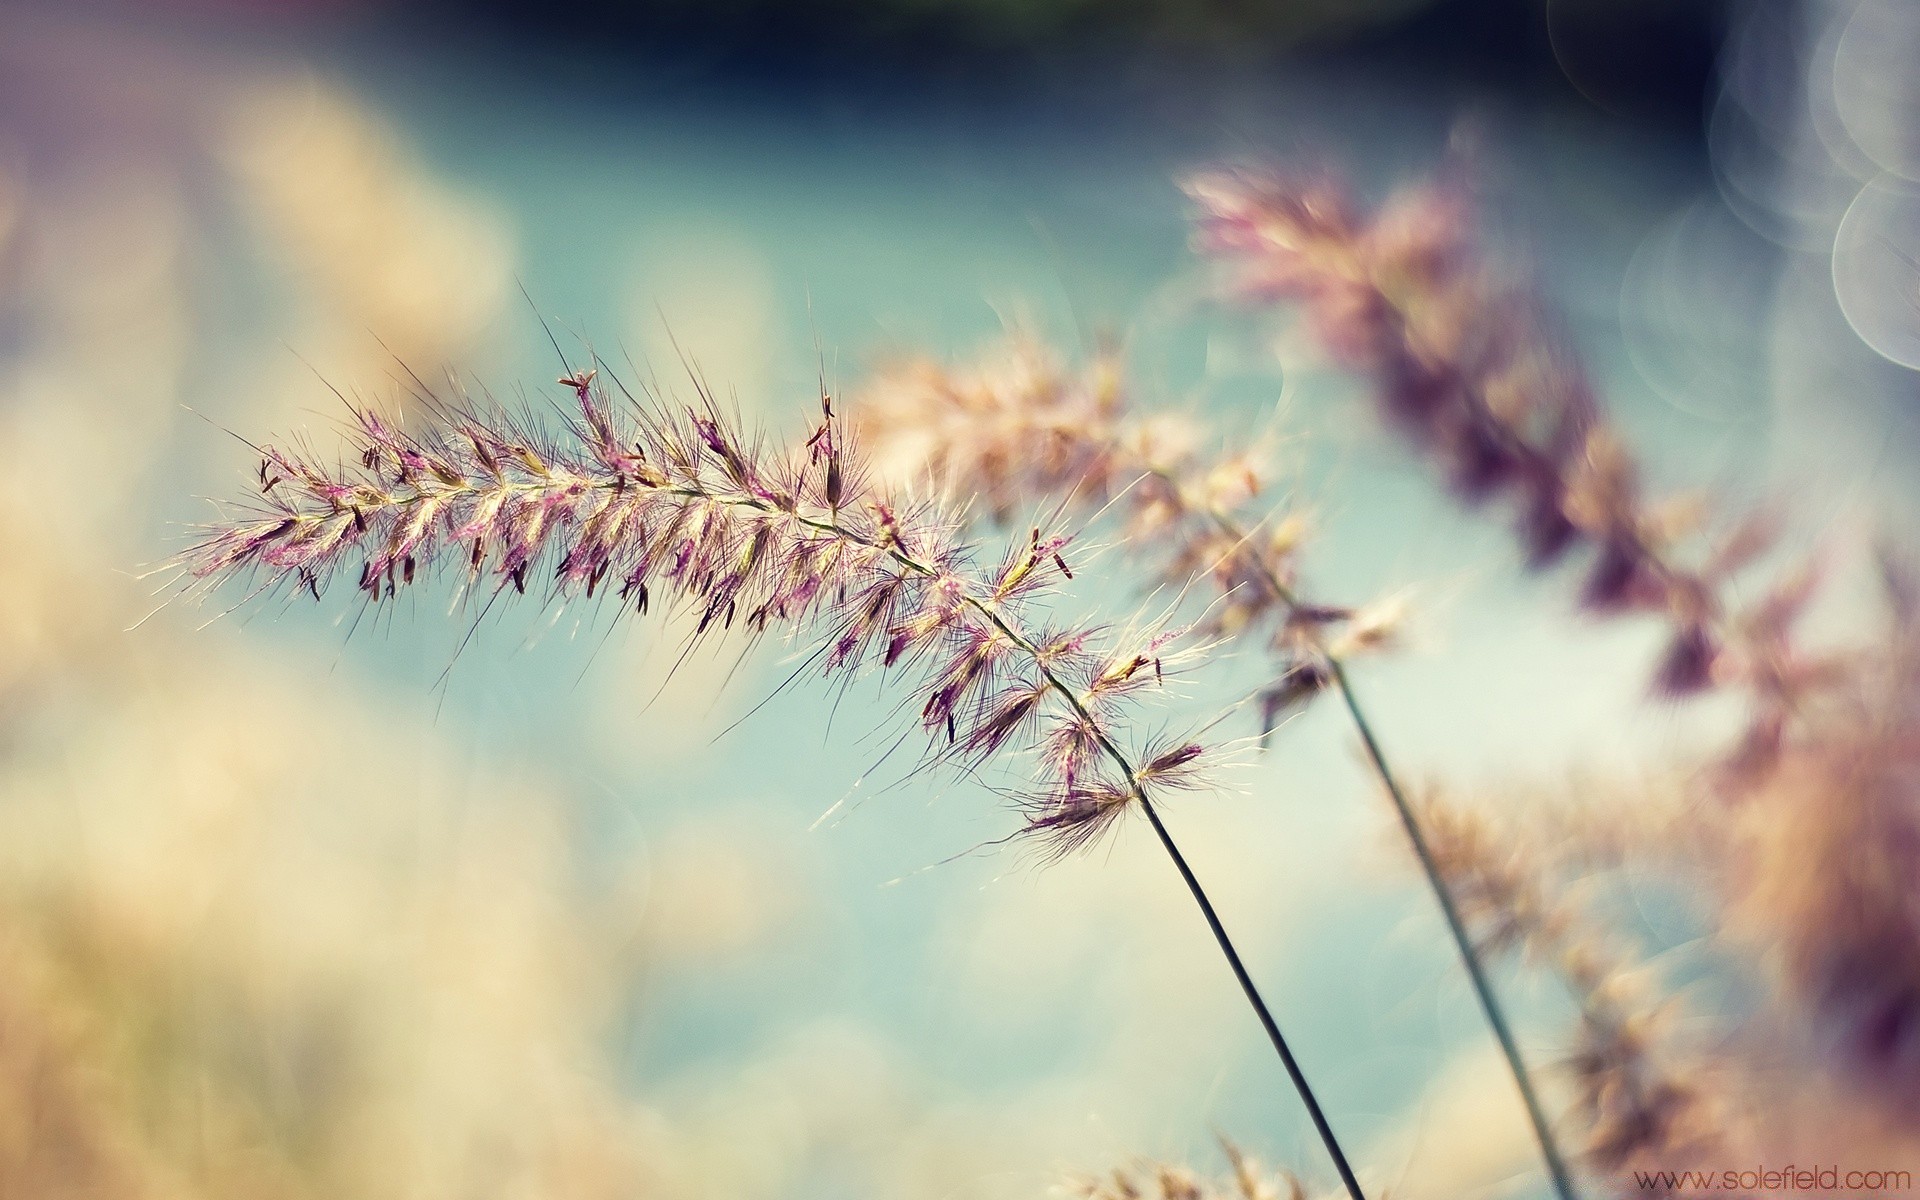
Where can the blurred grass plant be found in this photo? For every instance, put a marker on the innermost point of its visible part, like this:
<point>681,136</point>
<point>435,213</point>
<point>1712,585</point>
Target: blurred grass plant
<point>1464,363</point>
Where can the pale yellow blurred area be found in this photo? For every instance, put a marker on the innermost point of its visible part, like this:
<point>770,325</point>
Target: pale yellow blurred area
<point>1466,1137</point>
<point>102,282</point>
<point>366,235</point>
<point>391,273</point>
<point>701,296</point>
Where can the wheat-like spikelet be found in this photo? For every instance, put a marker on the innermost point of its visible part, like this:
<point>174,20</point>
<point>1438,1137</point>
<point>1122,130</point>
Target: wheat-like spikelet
<point>1465,365</point>
<point>647,500</point>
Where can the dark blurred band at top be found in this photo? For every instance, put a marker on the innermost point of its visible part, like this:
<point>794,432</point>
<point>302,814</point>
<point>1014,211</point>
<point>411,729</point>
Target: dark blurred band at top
<point>1637,60</point>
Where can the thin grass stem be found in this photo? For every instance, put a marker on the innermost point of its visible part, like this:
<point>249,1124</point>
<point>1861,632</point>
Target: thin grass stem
<point>1267,1022</point>
<point>1476,971</point>
<point>1214,924</point>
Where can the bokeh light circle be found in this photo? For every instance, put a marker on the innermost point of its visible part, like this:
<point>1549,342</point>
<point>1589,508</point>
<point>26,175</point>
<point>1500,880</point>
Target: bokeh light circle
<point>1876,268</point>
<point>1782,179</point>
<point>1693,302</point>
<point>1876,87</point>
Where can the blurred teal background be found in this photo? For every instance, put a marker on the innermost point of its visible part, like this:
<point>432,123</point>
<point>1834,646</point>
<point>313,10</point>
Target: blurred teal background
<point>230,212</point>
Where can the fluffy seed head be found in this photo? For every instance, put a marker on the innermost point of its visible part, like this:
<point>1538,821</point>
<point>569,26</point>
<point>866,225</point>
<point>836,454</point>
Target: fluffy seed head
<point>677,503</point>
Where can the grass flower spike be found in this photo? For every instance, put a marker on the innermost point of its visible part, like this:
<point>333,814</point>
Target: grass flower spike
<point>1816,787</point>
<point>679,506</point>
<point>1248,1180</point>
<point>1464,363</point>
<point>1829,849</point>
<point>654,503</point>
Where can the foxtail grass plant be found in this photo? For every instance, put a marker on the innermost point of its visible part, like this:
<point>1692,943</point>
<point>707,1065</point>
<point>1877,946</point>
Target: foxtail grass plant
<point>650,502</point>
